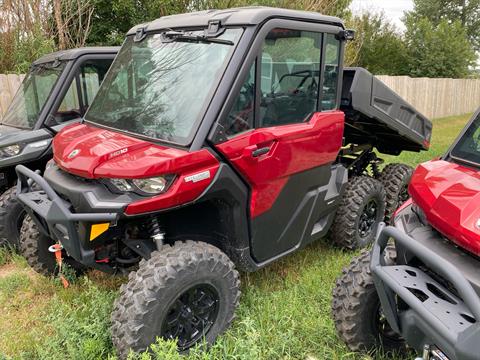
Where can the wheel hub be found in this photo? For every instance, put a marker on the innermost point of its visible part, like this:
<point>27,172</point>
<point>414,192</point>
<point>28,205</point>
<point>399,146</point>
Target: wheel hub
<point>191,315</point>
<point>368,218</point>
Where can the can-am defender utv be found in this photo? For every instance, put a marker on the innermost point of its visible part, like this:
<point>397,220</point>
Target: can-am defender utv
<point>425,290</point>
<point>216,143</point>
<point>56,91</point>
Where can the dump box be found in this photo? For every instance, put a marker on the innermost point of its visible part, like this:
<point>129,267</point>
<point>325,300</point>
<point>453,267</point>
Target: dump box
<point>376,115</point>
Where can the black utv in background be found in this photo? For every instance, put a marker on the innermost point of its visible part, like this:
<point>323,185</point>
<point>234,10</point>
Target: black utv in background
<point>57,91</point>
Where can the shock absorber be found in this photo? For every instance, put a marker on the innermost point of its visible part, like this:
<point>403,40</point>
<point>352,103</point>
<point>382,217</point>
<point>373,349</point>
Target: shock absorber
<point>157,235</point>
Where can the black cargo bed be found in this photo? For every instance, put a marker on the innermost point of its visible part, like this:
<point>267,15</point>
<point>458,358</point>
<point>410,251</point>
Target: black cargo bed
<point>376,115</point>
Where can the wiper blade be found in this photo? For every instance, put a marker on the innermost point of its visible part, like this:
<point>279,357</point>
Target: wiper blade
<point>181,36</point>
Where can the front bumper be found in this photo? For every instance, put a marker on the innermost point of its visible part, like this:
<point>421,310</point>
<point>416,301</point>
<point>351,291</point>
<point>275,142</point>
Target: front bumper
<point>55,217</point>
<point>418,306</point>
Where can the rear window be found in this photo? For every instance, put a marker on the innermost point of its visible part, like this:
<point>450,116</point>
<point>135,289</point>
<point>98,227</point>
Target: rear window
<point>468,147</point>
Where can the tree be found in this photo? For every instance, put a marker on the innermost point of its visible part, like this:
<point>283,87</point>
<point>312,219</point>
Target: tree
<point>71,22</point>
<point>113,18</point>
<point>467,12</point>
<point>378,46</point>
<point>441,50</point>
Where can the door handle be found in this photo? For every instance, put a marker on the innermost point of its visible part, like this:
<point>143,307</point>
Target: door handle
<point>261,151</point>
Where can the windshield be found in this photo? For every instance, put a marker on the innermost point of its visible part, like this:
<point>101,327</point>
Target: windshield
<point>32,95</point>
<point>159,87</point>
<point>468,147</point>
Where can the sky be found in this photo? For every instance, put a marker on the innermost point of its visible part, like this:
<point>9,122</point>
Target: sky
<point>393,9</point>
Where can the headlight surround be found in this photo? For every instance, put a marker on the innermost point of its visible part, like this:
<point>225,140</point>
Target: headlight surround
<point>11,150</point>
<point>145,186</point>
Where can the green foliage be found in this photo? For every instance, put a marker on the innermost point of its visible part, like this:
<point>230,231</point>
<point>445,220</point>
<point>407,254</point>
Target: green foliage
<point>112,19</point>
<point>382,50</point>
<point>18,51</point>
<point>13,283</point>
<point>467,12</point>
<point>441,50</point>
<point>4,255</point>
<point>80,321</point>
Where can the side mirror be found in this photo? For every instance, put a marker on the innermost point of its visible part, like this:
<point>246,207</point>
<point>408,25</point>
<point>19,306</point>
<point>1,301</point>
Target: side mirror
<point>347,35</point>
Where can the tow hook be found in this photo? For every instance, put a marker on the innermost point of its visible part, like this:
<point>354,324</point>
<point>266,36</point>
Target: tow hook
<point>57,250</point>
<point>432,353</point>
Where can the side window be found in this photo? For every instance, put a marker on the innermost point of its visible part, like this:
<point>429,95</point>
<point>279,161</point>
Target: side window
<point>70,106</point>
<point>290,71</point>
<point>240,118</point>
<point>330,83</point>
<point>90,76</point>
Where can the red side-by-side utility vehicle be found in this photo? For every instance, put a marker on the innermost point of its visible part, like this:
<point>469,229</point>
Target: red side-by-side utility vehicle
<point>425,290</point>
<point>219,140</point>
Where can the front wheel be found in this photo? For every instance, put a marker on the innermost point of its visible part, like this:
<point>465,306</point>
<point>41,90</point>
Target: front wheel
<point>11,218</point>
<point>186,292</point>
<point>359,214</point>
<point>34,246</point>
<point>357,312</point>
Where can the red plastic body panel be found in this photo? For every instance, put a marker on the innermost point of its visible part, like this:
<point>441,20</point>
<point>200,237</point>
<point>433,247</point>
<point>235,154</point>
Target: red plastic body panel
<point>293,149</point>
<point>101,153</point>
<point>449,195</point>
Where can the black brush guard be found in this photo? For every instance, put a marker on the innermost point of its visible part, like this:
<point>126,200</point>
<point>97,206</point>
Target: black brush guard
<point>53,216</point>
<point>429,316</point>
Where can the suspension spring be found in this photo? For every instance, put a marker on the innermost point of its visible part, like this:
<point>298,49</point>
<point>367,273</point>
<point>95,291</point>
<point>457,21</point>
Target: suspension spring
<point>157,234</point>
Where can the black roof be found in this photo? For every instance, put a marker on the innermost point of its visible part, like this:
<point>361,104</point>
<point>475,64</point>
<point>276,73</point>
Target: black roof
<point>252,15</point>
<point>71,54</point>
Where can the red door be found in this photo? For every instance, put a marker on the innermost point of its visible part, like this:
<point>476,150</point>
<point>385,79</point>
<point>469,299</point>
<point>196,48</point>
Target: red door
<point>284,167</point>
<point>287,159</point>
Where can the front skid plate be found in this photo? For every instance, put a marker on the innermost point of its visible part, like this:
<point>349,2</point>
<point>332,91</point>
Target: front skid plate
<point>440,302</point>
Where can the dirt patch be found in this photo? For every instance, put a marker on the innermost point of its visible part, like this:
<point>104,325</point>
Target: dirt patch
<point>8,269</point>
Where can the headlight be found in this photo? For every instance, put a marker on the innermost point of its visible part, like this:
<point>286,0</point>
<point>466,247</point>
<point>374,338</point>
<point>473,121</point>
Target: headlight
<point>121,184</point>
<point>147,186</point>
<point>154,185</point>
<point>11,150</point>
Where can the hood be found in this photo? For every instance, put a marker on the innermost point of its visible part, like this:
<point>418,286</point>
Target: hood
<point>449,195</point>
<point>93,152</point>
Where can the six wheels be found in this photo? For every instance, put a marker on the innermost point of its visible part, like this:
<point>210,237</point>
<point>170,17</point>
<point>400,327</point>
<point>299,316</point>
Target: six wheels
<point>360,212</point>
<point>11,218</point>
<point>356,309</point>
<point>188,291</point>
<point>395,179</point>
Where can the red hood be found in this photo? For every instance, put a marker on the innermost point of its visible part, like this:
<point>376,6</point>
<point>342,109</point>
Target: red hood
<point>449,194</point>
<point>93,152</point>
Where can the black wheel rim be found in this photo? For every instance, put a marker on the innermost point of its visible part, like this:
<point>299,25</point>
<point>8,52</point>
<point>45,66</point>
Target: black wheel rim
<point>403,195</point>
<point>191,315</point>
<point>368,218</point>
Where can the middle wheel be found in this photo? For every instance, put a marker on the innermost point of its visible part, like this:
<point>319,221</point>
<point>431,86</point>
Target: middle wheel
<point>360,212</point>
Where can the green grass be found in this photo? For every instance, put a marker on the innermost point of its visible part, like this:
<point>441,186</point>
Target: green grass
<point>284,311</point>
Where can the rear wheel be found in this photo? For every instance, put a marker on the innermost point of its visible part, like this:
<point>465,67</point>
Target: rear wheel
<point>34,248</point>
<point>11,218</point>
<point>188,292</point>
<point>361,210</point>
<point>395,179</point>
<point>357,312</point>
